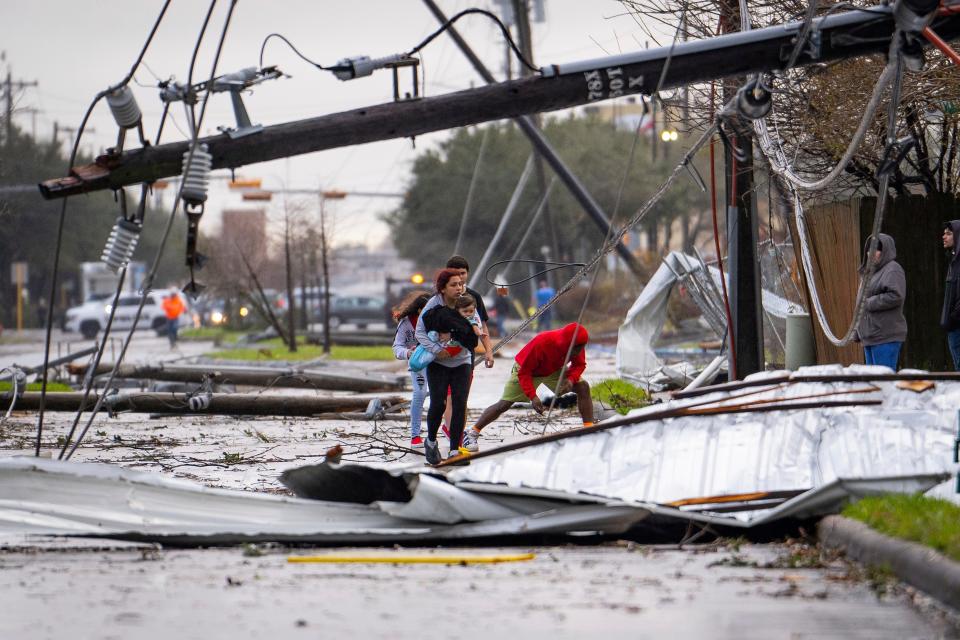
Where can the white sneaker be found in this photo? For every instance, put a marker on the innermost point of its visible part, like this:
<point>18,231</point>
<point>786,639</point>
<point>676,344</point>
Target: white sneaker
<point>470,438</point>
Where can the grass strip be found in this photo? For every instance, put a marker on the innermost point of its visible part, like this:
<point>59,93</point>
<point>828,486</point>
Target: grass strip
<point>218,334</point>
<point>276,350</point>
<point>35,386</point>
<point>619,395</point>
<point>932,522</point>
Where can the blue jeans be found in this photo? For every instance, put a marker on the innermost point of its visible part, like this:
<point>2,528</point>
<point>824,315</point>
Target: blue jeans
<point>172,325</point>
<point>419,381</point>
<point>953,340</point>
<point>885,354</point>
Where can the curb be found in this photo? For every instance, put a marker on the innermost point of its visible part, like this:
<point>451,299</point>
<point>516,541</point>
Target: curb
<point>915,564</point>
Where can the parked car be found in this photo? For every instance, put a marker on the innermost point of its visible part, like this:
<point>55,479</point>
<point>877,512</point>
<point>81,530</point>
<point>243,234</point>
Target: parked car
<point>90,318</point>
<point>314,302</point>
<point>358,310</point>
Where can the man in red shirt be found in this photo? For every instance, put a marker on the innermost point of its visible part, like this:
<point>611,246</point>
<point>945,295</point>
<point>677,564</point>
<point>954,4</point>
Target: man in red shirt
<point>542,361</point>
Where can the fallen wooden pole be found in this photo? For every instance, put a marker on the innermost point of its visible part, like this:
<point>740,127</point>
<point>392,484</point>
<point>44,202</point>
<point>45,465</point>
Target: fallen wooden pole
<point>253,376</point>
<point>246,404</point>
<point>70,357</point>
<point>839,36</point>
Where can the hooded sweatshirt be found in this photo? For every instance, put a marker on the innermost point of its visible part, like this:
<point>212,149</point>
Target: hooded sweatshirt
<point>883,319</point>
<point>545,354</point>
<point>950,315</point>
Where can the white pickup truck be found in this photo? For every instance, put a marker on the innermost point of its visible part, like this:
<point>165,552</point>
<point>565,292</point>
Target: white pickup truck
<point>90,318</point>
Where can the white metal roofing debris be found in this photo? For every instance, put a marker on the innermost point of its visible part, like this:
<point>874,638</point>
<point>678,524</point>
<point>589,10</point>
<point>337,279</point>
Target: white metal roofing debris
<point>49,497</point>
<point>785,462</point>
<point>644,320</point>
<point>907,434</point>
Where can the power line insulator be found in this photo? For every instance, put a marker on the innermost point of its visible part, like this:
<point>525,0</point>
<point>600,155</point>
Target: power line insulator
<point>121,244</point>
<point>124,107</point>
<point>754,100</point>
<point>196,177</point>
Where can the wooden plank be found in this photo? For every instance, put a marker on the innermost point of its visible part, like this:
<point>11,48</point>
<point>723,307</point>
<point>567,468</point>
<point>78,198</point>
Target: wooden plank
<point>220,404</point>
<point>254,376</point>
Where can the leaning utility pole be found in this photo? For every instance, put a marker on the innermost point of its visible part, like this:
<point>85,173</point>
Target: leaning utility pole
<point>841,35</point>
<point>542,146</point>
<point>521,12</point>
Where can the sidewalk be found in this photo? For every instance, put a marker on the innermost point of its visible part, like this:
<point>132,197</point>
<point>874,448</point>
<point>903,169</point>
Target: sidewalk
<point>913,563</point>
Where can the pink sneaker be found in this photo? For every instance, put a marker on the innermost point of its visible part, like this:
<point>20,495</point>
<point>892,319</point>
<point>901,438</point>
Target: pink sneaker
<point>416,442</point>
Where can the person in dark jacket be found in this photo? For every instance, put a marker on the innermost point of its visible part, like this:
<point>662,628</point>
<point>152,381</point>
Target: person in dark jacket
<point>882,327</point>
<point>950,315</point>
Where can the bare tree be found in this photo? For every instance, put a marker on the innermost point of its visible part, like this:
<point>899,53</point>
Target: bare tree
<point>818,107</point>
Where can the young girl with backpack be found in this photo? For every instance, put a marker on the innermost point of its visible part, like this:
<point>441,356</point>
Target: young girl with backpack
<point>406,314</point>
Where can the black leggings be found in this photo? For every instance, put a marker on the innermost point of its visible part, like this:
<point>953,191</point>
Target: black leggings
<point>439,378</point>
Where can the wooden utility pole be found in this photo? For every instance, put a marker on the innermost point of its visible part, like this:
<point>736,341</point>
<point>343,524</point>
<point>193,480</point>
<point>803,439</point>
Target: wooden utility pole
<point>746,326</point>
<point>325,262</point>
<point>9,86</point>
<point>291,300</point>
<point>841,35</point>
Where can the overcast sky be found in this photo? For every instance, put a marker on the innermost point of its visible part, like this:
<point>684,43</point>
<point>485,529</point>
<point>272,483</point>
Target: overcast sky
<point>74,49</point>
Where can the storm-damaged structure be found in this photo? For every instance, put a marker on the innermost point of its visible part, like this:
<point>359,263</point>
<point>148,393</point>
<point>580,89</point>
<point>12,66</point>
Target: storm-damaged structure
<point>777,447</point>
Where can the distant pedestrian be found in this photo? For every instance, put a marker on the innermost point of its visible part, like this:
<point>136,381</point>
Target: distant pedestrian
<point>950,314</point>
<point>883,328</point>
<point>545,294</point>
<point>406,314</point>
<point>501,307</point>
<point>173,307</point>
<point>42,312</point>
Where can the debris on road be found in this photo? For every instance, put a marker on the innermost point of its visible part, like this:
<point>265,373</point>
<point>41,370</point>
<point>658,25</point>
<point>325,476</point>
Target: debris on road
<point>339,380</point>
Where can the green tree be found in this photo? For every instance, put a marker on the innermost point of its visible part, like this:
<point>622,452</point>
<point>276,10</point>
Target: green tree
<point>28,228</point>
<point>426,224</point>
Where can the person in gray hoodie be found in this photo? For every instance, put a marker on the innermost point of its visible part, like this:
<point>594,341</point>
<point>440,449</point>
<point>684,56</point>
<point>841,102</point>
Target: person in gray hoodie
<point>882,327</point>
<point>950,315</point>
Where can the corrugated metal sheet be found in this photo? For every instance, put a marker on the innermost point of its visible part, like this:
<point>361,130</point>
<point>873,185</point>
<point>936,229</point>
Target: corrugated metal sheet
<point>662,461</point>
<point>46,497</point>
<point>738,469</point>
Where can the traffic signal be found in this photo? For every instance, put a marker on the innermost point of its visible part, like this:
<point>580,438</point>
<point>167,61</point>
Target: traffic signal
<point>417,278</point>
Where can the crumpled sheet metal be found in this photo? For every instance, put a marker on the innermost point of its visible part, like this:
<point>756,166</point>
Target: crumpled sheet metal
<point>644,321</point>
<point>49,497</point>
<point>667,460</point>
<point>826,499</point>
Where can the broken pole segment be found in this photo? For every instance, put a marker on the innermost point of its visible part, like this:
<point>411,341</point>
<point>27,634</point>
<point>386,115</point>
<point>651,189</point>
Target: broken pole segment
<point>842,35</point>
<point>252,376</point>
<point>235,404</point>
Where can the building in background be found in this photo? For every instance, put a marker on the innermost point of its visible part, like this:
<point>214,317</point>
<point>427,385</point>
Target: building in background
<point>358,268</point>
